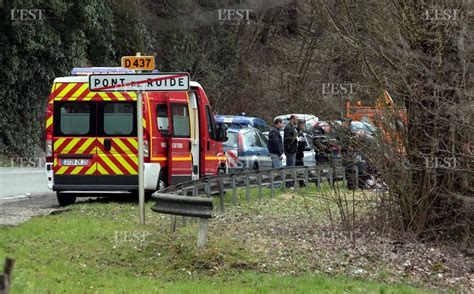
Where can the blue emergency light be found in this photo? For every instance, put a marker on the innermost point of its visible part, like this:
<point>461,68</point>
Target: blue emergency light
<point>84,71</point>
<point>233,120</point>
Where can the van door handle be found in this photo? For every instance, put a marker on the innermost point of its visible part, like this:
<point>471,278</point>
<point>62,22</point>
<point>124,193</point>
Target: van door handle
<point>208,145</point>
<point>189,145</point>
<point>107,144</point>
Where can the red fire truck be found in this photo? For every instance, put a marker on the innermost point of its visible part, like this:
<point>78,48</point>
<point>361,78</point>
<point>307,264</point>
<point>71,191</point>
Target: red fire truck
<point>92,137</point>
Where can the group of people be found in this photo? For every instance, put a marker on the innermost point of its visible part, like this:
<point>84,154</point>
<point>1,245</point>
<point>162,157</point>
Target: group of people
<point>328,142</point>
<point>291,146</point>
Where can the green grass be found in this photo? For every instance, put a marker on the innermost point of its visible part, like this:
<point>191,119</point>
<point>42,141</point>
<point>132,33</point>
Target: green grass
<point>85,250</point>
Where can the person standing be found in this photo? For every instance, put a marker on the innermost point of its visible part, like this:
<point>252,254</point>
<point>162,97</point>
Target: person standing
<point>301,144</point>
<point>275,144</point>
<point>290,141</point>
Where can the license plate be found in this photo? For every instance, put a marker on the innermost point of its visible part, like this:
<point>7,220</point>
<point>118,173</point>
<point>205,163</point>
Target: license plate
<point>75,162</point>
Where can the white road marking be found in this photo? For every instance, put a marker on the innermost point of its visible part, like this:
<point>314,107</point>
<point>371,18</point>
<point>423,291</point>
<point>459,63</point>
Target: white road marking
<point>16,197</point>
<point>29,172</point>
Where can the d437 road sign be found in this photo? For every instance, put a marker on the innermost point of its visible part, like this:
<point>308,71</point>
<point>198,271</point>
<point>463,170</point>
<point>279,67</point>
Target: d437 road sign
<point>138,62</point>
<point>139,82</point>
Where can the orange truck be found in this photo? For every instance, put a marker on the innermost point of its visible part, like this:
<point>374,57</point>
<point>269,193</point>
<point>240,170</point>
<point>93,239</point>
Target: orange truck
<point>381,115</point>
<point>92,144</point>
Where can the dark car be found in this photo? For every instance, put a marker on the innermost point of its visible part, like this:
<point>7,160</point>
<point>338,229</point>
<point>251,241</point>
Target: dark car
<point>246,148</point>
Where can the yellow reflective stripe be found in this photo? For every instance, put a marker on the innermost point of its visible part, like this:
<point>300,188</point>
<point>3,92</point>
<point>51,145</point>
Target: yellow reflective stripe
<point>144,123</point>
<point>101,170</point>
<point>134,142</point>
<point>123,146</point>
<point>125,164</point>
<point>49,121</point>
<point>119,96</point>
<point>181,158</point>
<point>91,170</point>
<point>71,144</point>
<point>79,91</point>
<point>89,96</point>
<point>105,97</point>
<point>215,157</point>
<point>65,90</point>
<point>58,143</point>
<point>76,170</point>
<point>86,144</point>
<point>62,170</point>
<point>110,164</point>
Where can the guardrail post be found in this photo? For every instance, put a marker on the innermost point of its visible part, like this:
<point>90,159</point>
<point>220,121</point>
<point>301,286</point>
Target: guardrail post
<point>234,189</point>
<point>221,194</point>
<point>201,241</point>
<point>296,183</point>
<point>5,278</point>
<point>318,180</point>
<point>173,223</point>
<point>247,187</point>
<point>207,188</point>
<point>184,219</point>
<point>272,184</point>
<point>283,179</point>
<point>306,176</point>
<point>259,186</point>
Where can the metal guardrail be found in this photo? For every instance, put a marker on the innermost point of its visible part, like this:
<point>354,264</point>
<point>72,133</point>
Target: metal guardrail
<point>249,179</point>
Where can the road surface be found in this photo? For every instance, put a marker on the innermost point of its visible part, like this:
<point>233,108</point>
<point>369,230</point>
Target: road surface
<point>17,183</point>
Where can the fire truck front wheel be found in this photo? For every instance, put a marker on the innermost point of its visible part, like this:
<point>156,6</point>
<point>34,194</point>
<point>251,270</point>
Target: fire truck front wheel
<point>65,199</point>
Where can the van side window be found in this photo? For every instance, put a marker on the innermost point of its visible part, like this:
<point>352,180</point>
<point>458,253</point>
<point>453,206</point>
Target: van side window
<point>162,119</point>
<point>180,116</point>
<point>211,125</point>
<point>118,118</point>
<point>74,118</point>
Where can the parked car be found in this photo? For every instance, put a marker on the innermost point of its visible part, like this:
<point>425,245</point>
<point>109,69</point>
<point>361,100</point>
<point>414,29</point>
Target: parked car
<point>246,148</point>
<point>241,121</point>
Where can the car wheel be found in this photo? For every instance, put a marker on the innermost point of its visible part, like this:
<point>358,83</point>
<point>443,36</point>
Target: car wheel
<point>255,167</point>
<point>65,199</point>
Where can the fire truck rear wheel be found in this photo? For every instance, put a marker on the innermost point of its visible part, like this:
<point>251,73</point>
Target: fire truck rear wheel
<point>65,199</point>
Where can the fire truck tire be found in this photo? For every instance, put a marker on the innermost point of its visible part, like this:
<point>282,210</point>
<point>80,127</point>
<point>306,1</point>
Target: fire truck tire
<point>65,199</point>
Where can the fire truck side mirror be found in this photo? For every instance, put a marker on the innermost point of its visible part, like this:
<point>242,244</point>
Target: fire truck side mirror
<point>221,133</point>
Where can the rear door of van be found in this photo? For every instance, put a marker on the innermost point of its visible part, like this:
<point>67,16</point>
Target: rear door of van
<point>117,144</point>
<point>74,143</point>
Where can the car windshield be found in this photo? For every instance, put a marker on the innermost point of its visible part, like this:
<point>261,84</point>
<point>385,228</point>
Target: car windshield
<point>358,125</point>
<point>232,140</point>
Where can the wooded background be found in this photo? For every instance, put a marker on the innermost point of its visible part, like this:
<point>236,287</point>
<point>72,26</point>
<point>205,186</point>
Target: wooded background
<point>275,62</point>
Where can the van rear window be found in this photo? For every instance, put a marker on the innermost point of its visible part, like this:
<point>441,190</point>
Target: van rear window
<point>72,119</point>
<point>118,119</point>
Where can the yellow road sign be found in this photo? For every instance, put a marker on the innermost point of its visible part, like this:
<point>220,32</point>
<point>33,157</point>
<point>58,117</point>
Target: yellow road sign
<point>138,62</point>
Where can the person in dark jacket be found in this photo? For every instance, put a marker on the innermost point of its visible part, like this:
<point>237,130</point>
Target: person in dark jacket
<point>301,144</point>
<point>290,141</point>
<point>275,144</point>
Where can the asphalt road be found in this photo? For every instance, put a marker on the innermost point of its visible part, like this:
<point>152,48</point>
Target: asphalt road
<point>17,183</point>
